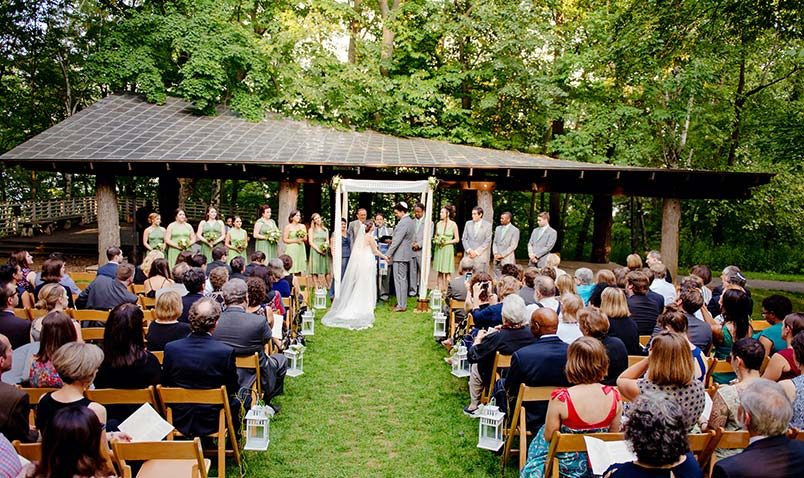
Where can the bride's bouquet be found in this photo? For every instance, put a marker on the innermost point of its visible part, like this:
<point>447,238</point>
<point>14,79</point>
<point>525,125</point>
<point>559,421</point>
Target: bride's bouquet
<point>273,236</point>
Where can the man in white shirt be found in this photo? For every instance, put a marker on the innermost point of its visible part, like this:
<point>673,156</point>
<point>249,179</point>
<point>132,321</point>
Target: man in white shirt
<point>660,285</point>
<point>545,294</point>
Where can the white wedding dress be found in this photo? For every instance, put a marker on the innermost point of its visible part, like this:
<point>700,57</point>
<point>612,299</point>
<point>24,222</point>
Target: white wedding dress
<point>354,306</point>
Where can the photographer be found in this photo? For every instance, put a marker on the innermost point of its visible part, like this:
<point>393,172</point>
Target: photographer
<point>487,311</point>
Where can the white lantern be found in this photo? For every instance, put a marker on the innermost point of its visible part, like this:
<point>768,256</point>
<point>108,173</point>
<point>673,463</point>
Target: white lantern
<point>439,325</point>
<point>295,361</point>
<point>435,299</point>
<point>258,428</point>
<point>491,428</point>
<point>308,323</point>
<point>460,364</point>
<point>320,299</point>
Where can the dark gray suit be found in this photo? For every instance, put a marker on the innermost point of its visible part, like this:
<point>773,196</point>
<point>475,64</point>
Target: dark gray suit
<point>401,252</point>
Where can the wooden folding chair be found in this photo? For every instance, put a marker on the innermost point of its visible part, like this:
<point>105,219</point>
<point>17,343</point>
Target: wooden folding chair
<point>88,314</point>
<point>137,289</point>
<point>29,451</point>
<point>148,317</point>
<point>518,423</point>
<point>501,361</point>
<point>252,362</point>
<point>635,359</point>
<point>82,279</point>
<point>119,396</point>
<point>92,334</point>
<point>759,325</point>
<point>146,302</point>
<point>644,340</point>
<point>764,365</point>
<point>177,459</point>
<point>723,440</point>
<point>453,306</point>
<point>22,313</point>
<point>34,314</point>
<point>699,443</point>
<point>34,395</point>
<point>159,354</point>
<point>215,396</point>
<point>567,443</point>
<point>718,366</point>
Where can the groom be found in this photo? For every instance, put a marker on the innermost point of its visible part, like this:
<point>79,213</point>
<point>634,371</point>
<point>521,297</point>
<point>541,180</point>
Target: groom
<point>400,252</point>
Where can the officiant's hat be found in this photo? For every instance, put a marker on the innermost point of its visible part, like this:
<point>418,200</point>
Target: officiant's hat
<point>401,206</point>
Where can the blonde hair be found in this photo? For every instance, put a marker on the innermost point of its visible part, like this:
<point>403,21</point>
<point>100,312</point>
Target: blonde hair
<point>593,322</point>
<point>552,260</point>
<point>670,360</point>
<point>168,306</point>
<point>149,260</point>
<point>571,304</point>
<point>587,361</point>
<point>49,296</point>
<point>77,361</point>
<point>508,285</point>
<point>605,276</point>
<point>633,261</point>
<point>565,284</point>
<point>613,303</point>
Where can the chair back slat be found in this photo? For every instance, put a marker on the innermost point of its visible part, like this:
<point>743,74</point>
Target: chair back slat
<point>89,314</point>
<point>116,396</point>
<point>171,396</point>
<point>29,451</point>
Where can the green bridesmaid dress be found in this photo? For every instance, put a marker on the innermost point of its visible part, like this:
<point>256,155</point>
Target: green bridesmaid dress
<point>156,239</point>
<point>319,263</point>
<point>216,227</point>
<point>297,252</point>
<point>237,235</point>
<point>444,256</point>
<point>178,233</point>
<point>263,245</point>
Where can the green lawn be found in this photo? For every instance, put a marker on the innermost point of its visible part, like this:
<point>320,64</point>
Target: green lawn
<point>374,403</point>
<point>759,294</point>
<point>774,276</point>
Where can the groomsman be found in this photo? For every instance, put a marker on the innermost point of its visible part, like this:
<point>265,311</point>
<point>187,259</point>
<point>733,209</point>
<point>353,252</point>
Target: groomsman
<point>418,245</point>
<point>383,274</point>
<point>541,241</point>
<point>476,240</point>
<point>506,239</point>
<point>400,252</point>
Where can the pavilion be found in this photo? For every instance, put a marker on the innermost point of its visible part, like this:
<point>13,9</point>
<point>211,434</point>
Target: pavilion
<point>124,135</point>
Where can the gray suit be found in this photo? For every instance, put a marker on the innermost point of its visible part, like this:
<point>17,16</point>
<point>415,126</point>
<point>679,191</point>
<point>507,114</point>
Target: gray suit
<point>401,251</point>
<point>541,246</point>
<point>505,242</point>
<point>478,239</point>
<point>416,262</point>
<point>351,230</point>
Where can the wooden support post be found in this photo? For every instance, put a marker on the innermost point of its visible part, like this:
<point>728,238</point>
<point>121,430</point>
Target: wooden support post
<point>671,222</point>
<point>485,201</point>
<point>601,236</point>
<point>313,203</point>
<point>168,198</point>
<point>108,219</point>
<point>288,201</point>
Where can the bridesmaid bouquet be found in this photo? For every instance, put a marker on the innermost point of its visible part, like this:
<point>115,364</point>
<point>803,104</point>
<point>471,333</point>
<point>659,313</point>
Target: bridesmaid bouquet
<point>440,240</point>
<point>273,236</point>
<point>300,234</point>
<point>240,245</point>
<point>183,244</point>
<point>211,236</point>
<point>159,247</point>
<point>324,248</point>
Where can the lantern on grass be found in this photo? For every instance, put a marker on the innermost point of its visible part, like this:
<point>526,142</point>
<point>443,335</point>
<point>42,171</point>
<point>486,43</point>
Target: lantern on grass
<point>295,356</point>
<point>308,322</point>
<point>436,300</point>
<point>258,428</point>
<point>320,301</point>
<point>491,428</point>
<point>439,325</point>
<point>460,364</point>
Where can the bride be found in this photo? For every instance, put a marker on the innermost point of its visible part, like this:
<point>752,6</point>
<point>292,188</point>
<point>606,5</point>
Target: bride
<point>354,306</point>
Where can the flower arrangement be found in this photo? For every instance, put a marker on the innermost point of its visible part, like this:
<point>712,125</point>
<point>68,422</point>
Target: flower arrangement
<point>211,236</point>
<point>336,181</point>
<point>324,248</point>
<point>440,240</point>
<point>159,247</point>
<point>273,236</point>
<point>296,347</point>
<point>300,234</point>
<point>183,244</point>
<point>240,244</point>
<point>432,183</point>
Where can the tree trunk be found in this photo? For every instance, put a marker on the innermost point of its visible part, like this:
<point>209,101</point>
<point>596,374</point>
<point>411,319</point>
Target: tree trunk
<point>288,201</point>
<point>215,198</point>
<point>354,31</point>
<point>671,222</point>
<point>185,191</point>
<point>601,236</point>
<point>485,201</point>
<point>583,235</point>
<point>312,200</point>
<point>233,197</point>
<point>531,213</point>
<point>108,219</point>
<point>556,220</point>
<point>168,195</point>
<point>68,185</point>
<point>739,99</point>
<point>388,35</point>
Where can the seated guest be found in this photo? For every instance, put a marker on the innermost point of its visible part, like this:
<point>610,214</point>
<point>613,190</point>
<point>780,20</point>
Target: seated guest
<point>736,324</point>
<point>259,304</point>
<point>217,278</point>
<point>77,364</point>
<point>15,329</point>
<point>57,330</point>
<point>586,407</point>
<point>14,403</point>
<point>11,274</point>
<point>568,329</point>
<point>126,363</point>
<point>257,259</point>
<point>774,309</point>
<point>177,274</point>
<point>765,412</point>
<point>65,280</point>
<point>782,366</point>
<point>594,323</point>
<point>673,320</point>
<point>513,335</point>
<point>218,260</point>
<point>565,284</point>
<point>539,364</point>
<point>194,282</point>
<point>201,362</point>
<point>115,257</point>
<point>545,288</point>
<point>705,274</point>
<point>698,331</point>
<point>488,314</point>
<point>661,286</point>
<point>527,292</point>
<point>669,370</point>
<point>10,463</point>
<point>158,277</point>
<point>166,326</point>
<point>615,306</point>
<point>633,262</point>
<point>248,333</point>
<point>731,276</point>
<point>52,273</point>
<point>276,273</point>
<point>604,279</point>
<point>620,275</point>
<point>52,297</point>
<point>795,387</point>
<point>237,265</point>
<point>287,265</point>
<point>657,432</point>
<point>583,284</point>
<point>746,359</point>
<point>72,447</point>
<point>512,270</point>
<point>456,289</point>
<point>552,261</point>
<point>644,309</point>
<point>105,293</point>
<point>198,260</point>
<point>143,271</point>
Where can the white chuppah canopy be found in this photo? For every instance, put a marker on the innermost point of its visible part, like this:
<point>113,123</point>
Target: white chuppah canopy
<point>342,189</point>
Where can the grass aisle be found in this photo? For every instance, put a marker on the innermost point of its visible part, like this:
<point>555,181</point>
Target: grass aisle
<point>374,403</point>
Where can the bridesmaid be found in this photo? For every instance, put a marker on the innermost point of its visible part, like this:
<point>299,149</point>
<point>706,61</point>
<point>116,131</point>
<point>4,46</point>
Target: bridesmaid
<point>318,236</point>
<point>446,236</point>
<point>237,240</point>
<point>294,237</point>
<point>153,237</point>
<point>179,236</point>
<point>262,229</point>
<point>210,232</point>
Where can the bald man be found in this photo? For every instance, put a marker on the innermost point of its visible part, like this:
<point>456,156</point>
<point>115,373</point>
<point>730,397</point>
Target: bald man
<point>539,364</point>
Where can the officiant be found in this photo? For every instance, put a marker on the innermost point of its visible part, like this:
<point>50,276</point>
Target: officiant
<point>382,233</point>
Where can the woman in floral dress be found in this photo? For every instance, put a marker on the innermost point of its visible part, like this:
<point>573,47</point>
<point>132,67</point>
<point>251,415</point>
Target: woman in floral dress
<point>318,267</point>
<point>179,236</point>
<point>294,236</point>
<point>266,233</point>
<point>237,240</point>
<point>210,232</point>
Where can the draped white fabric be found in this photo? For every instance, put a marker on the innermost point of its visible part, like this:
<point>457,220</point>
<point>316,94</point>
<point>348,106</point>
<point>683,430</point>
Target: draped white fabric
<point>346,186</point>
